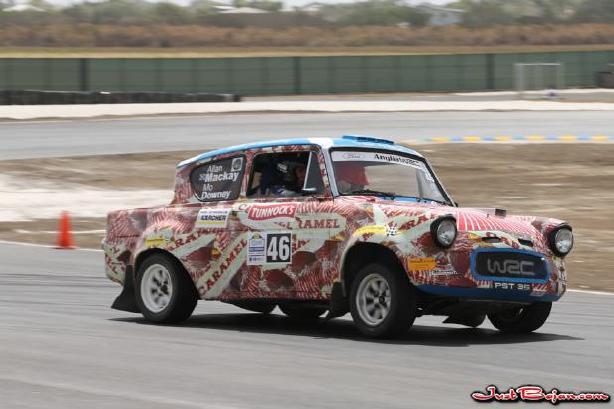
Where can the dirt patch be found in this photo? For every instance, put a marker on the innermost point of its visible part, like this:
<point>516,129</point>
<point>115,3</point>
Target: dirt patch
<point>122,172</point>
<point>88,232</point>
<point>571,182</point>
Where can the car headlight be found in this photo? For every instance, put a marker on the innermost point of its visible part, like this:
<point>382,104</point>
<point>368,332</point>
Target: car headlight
<point>561,241</point>
<point>444,231</point>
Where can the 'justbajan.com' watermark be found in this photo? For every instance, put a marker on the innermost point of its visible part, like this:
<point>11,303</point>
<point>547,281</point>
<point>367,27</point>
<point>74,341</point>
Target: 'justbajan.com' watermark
<point>535,393</point>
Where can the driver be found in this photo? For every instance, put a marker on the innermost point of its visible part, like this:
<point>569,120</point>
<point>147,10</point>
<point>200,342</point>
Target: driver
<point>293,179</point>
<point>350,176</point>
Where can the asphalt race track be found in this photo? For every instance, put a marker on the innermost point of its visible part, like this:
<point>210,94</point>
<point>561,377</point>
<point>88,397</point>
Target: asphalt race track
<point>130,135</point>
<point>61,346</point>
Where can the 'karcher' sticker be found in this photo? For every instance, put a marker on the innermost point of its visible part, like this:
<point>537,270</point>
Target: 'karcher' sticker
<point>212,218</point>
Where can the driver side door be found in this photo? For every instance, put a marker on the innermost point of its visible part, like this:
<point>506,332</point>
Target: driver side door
<point>287,236</point>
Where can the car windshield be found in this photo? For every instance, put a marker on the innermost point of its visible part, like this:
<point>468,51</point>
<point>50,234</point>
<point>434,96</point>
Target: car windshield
<point>384,173</point>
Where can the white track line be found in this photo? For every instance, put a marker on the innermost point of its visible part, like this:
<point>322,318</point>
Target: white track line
<point>22,231</point>
<point>18,243</point>
<point>53,112</point>
<point>573,290</point>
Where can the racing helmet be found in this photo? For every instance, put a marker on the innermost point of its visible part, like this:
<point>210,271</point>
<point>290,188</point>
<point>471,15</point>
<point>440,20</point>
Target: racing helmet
<point>287,170</point>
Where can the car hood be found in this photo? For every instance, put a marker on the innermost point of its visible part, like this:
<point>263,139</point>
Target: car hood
<point>473,219</point>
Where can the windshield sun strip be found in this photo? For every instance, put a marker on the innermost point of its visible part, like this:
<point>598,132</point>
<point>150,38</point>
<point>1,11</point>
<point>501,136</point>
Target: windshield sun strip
<point>447,198</point>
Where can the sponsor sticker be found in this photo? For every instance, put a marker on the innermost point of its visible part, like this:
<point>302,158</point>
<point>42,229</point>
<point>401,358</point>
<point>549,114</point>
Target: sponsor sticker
<point>158,239</point>
<point>220,180</point>
<point>212,218</point>
<point>443,272</point>
<point>341,156</point>
<point>422,264</point>
<point>350,156</point>
<point>237,164</point>
<point>392,230</point>
<point>374,229</point>
<point>325,223</point>
<point>256,249</point>
<point>266,248</point>
<point>273,211</point>
<point>155,241</point>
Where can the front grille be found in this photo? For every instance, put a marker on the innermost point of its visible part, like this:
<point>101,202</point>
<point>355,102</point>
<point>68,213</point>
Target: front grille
<point>510,264</point>
<point>526,242</point>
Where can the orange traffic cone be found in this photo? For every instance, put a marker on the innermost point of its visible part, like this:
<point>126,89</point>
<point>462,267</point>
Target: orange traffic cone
<point>65,239</point>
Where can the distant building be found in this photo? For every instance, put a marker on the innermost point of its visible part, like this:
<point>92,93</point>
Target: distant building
<point>243,10</point>
<point>441,16</point>
<point>311,8</point>
<point>220,8</point>
<point>22,7</point>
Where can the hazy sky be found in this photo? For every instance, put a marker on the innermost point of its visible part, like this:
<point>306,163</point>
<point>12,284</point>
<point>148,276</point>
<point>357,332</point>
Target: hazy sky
<point>286,2</point>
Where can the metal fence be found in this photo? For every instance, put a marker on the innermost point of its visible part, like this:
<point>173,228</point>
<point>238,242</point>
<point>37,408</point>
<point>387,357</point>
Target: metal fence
<point>293,75</point>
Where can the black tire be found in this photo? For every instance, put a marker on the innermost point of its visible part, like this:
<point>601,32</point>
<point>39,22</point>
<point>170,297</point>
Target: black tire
<point>468,320</point>
<point>182,297</point>
<point>401,308</point>
<point>521,320</point>
<point>302,312</point>
<point>262,308</point>
<point>474,321</point>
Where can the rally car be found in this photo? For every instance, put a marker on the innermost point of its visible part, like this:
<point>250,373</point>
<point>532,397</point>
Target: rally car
<point>313,226</point>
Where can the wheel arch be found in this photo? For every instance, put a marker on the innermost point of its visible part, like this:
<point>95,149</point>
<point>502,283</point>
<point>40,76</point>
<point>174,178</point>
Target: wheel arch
<point>126,300</point>
<point>143,255</point>
<point>362,253</point>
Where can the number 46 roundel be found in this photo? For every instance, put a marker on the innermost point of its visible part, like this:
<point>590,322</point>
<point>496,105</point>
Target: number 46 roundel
<point>279,248</point>
<point>264,248</point>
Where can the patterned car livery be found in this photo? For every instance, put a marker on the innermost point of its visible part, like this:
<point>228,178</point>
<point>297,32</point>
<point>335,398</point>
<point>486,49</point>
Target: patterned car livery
<point>220,243</point>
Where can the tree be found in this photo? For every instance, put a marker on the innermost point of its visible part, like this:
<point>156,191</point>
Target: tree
<point>268,5</point>
<point>6,3</point>
<point>203,7</point>
<point>486,13</point>
<point>378,12</point>
<point>110,11</point>
<point>170,13</point>
<point>595,11</point>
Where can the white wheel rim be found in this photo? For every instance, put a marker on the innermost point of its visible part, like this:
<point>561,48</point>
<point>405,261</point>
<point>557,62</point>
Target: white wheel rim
<point>156,287</point>
<point>373,299</point>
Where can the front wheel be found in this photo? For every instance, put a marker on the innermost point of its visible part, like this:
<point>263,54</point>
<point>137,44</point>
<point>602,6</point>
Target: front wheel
<point>382,301</point>
<point>521,320</point>
<point>164,291</point>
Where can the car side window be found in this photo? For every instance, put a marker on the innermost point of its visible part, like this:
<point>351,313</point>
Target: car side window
<point>285,174</point>
<point>218,180</point>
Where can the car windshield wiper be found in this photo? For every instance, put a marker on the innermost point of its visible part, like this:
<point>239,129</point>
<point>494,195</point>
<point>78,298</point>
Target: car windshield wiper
<point>426,199</point>
<point>371,192</point>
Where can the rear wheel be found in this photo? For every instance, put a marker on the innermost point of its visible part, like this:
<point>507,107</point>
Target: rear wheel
<point>164,291</point>
<point>523,319</point>
<point>302,312</point>
<point>382,301</point>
